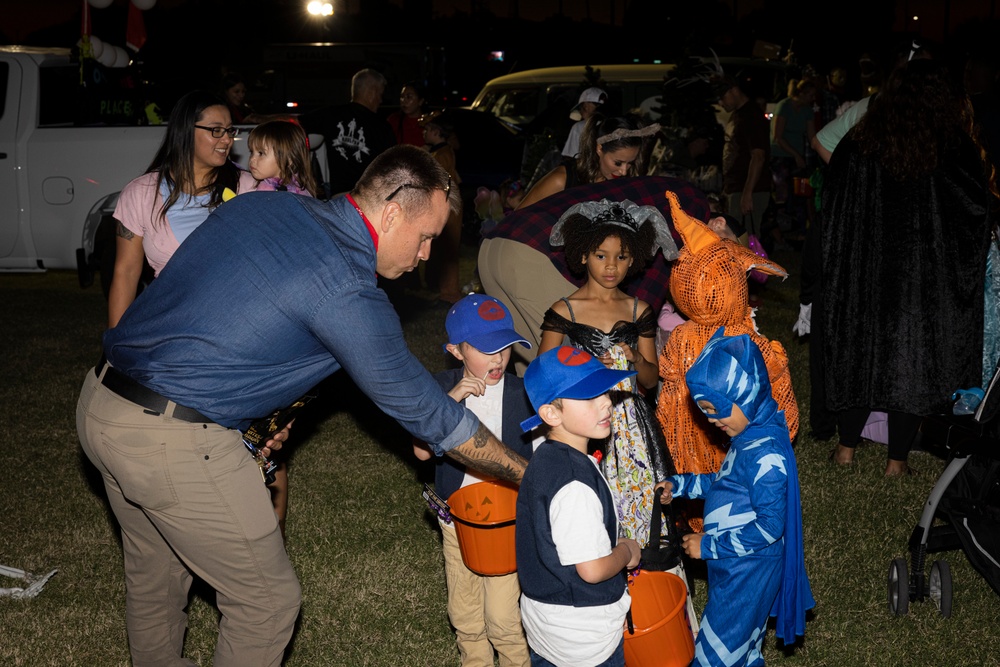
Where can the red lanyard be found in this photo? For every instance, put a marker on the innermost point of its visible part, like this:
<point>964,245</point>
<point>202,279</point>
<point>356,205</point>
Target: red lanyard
<point>368,224</point>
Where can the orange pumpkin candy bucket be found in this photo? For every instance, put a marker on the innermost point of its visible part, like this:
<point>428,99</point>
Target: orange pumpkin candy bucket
<point>483,515</point>
<point>661,634</point>
<point>658,632</point>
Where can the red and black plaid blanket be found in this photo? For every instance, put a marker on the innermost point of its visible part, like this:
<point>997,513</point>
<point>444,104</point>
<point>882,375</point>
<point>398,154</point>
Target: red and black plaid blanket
<point>532,225</point>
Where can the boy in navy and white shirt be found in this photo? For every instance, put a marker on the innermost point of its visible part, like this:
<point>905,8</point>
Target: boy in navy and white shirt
<point>570,560</point>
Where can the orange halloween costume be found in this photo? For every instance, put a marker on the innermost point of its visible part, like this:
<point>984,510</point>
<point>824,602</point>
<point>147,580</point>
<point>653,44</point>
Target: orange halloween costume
<point>708,284</point>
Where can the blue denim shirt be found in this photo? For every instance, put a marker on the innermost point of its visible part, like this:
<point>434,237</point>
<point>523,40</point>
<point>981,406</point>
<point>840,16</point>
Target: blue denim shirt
<point>273,293</point>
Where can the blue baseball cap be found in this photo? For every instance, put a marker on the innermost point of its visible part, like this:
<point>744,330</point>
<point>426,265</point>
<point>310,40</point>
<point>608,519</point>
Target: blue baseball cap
<point>566,372</point>
<point>482,322</point>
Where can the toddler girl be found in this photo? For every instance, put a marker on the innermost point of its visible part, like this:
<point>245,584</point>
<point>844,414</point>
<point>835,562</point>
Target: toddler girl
<point>279,158</point>
<point>609,241</point>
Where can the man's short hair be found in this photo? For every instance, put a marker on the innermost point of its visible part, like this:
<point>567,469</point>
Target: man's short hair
<point>409,175</point>
<point>365,80</point>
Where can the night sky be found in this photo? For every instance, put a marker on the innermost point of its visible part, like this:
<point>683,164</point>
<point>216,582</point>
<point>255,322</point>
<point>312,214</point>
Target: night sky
<point>23,19</point>
<point>192,42</point>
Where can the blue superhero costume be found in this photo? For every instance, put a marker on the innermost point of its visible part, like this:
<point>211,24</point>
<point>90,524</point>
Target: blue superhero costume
<point>753,516</point>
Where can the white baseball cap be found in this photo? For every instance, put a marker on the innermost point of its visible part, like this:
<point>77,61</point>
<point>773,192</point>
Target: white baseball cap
<point>595,95</point>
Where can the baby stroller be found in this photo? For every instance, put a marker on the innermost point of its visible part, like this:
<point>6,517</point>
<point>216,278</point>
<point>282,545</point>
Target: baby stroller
<point>966,497</point>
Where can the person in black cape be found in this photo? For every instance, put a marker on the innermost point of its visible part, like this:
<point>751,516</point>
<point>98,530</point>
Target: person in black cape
<point>910,203</point>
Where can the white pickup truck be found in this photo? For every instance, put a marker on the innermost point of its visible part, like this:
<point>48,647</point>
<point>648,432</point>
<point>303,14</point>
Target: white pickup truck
<point>59,180</point>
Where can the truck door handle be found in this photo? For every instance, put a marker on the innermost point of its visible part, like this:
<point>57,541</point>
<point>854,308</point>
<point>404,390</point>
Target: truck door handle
<point>3,156</point>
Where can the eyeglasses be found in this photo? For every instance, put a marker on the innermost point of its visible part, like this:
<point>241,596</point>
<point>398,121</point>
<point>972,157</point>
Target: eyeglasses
<point>218,132</point>
<point>411,186</point>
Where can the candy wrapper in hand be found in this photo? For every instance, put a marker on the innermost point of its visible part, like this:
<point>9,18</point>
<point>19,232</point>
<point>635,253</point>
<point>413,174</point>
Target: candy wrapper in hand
<point>262,430</point>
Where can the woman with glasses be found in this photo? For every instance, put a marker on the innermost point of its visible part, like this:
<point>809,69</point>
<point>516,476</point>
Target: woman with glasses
<point>188,178</point>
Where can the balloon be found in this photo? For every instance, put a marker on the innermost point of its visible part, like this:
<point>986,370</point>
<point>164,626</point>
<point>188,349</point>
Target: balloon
<point>121,57</point>
<point>100,4</point>
<point>144,4</point>
<point>97,46</point>
<point>107,57</point>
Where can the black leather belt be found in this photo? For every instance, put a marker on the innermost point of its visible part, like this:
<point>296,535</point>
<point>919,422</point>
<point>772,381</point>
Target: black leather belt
<point>130,390</point>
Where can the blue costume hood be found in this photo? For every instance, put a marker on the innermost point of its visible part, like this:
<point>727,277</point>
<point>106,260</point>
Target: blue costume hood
<point>730,371</point>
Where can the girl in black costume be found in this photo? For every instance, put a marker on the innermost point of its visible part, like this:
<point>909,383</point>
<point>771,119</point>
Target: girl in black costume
<point>610,241</point>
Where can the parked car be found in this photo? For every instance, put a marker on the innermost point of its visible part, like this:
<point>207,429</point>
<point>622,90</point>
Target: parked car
<point>519,98</point>
<point>60,179</point>
<point>66,152</point>
<point>532,99</point>
<point>537,102</point>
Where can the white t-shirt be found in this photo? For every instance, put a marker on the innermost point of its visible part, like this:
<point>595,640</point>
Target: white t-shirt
<point>831,133</point>
<point>576,636</point>
<point>572,146</point>
<point>489,409</point>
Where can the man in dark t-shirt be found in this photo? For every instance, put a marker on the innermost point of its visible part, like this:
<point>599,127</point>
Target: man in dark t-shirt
<point>354,132</point>
<point>745,175</point>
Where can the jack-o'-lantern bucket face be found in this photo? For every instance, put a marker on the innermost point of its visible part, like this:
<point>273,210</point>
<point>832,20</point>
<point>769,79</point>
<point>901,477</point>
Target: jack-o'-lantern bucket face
<point>483,515</point>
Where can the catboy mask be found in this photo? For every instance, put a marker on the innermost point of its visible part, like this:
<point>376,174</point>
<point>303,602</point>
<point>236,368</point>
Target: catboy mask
<point>566,372</point>
<point>730,370</point>
<point>482,322</point>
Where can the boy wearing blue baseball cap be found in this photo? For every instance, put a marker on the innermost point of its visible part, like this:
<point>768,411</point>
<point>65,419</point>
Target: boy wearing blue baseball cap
<point>569,558</point>
<point>483,610</point>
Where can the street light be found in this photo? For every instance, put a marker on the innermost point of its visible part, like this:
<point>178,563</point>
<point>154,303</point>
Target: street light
<point>317,8</point>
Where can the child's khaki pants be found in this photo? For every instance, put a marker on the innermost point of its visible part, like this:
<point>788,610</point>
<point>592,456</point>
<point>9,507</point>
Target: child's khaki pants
<point>485,611</point>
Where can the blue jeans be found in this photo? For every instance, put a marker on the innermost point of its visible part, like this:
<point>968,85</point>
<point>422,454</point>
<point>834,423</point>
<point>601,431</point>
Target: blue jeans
<point>616,659</point>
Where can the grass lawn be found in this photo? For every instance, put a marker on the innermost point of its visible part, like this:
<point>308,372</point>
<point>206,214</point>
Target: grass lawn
<point>362,541</point>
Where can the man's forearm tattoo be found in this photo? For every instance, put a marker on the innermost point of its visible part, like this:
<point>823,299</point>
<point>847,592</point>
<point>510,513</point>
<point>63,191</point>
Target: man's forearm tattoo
<point>481,437</point>
<point>497,460</point>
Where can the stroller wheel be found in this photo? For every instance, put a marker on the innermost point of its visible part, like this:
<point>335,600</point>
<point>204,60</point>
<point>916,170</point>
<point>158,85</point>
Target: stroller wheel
<point>940,587</point>
<point>899,588</point>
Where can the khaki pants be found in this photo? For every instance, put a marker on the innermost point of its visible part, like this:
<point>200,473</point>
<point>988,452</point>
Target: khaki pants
<point>528,284</point>
<point>484,610</point>
<point>190,501</point>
